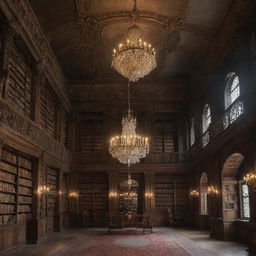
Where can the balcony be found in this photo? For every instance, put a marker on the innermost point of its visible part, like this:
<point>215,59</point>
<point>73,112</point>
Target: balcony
<point>232,114</point>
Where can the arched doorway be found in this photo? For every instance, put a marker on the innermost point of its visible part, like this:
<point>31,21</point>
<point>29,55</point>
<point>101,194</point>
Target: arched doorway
<point>231,186</point>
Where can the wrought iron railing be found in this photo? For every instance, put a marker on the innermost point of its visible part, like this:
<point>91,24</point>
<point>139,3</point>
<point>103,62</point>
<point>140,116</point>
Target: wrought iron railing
<point>235,110</point>
<point>231,115</point>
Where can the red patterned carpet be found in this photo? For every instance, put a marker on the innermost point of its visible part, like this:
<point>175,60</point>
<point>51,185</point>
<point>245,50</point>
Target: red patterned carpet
<point>164,241</point>
<point>99,243</point>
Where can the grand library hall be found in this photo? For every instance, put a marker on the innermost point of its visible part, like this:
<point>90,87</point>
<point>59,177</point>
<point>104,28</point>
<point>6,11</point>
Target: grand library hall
<point>127,127</point>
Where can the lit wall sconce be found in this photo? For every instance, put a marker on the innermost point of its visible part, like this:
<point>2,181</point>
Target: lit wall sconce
<point>112,195</point>
<point>213,191</point>
<point>149,195</point>
<point>250,179</point>
<point>194,193</point>
<point>44,190</point>
<point>73,194</point>
<point>60,192</point>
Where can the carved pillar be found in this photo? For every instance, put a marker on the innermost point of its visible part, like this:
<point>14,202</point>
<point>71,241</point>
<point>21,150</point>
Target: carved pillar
<point>74,215</point>
<point>57,217</point>
<point>33,230</point>
<point>113,192</point>
<point>149,191</point>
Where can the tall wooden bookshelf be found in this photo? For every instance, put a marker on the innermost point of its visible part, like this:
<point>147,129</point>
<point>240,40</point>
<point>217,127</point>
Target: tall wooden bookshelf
<point>16,188</point>
<point>93,197</point>
<point>171,194</point>
<point>164,191</point>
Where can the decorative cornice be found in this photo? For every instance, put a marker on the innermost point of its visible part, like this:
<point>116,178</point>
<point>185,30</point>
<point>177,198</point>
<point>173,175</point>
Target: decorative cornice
<point>23,15</point>
<point>9,118</point>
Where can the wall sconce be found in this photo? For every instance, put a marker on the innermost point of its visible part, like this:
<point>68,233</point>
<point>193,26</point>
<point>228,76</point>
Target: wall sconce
<point>194,193</point>
<point>213,191</point>
<point>73,194</point>
<point>149,195</point>
<point>44,190</point>
<point>112,195</point>
<point>250,179</point>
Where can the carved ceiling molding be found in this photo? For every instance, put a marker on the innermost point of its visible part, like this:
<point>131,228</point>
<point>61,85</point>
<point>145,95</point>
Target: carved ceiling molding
<point>25,17</point>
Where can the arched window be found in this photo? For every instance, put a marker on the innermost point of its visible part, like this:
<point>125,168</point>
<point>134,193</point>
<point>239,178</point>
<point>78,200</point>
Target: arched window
<point>235,193</point>
<point>203,193</point>
<point>232,89</point>
<point>192,131</point>
<point>245,201</point>
<point>206,119</point>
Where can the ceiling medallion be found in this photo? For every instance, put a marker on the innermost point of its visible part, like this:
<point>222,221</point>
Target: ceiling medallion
<point>134,59</point>
<point>129,148</point>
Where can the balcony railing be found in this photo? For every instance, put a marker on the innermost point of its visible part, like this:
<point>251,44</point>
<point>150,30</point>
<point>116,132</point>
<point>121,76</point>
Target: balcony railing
<point>153,158</point>
<point>232,114</point>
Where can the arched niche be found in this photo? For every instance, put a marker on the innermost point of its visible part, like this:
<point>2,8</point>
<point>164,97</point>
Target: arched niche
<point>129,196</point>
<point>230,187</point>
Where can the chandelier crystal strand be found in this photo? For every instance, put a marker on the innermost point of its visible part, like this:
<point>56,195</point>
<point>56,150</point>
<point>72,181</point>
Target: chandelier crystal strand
<point>134,59</point>
<point>129,148</point>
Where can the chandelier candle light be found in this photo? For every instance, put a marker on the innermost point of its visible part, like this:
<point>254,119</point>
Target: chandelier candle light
<point>250,179</point>
<point>129,148</point>
<point>134,59</point>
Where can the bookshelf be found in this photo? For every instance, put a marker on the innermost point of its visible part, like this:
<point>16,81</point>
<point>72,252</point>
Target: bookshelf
<point>16,188</point>
<point>93,196</point>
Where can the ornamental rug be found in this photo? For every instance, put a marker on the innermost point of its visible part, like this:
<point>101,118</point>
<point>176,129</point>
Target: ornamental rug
<point>100,243</point>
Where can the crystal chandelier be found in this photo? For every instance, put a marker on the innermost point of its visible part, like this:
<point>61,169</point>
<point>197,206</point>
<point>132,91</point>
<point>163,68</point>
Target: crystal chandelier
<point>134,59</point>
<point>250,179</point>
<point>129,148</point>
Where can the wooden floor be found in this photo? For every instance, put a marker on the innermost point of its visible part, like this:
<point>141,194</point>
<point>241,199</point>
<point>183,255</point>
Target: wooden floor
<point>73,243</point>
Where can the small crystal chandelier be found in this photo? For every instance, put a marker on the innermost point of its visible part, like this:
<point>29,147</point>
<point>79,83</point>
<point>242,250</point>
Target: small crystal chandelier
<point>250,179</point>
<point>134,59</point>
<point>129,148</point>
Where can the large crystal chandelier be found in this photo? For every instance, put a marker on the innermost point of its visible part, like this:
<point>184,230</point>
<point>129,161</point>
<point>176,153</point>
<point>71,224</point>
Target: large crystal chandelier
<point>136,58</point>
<point>129,148</point>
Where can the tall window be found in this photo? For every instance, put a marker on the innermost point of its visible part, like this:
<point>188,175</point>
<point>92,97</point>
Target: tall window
<point>234,107</point>
<point>232,89</point>
<point>207,119</point>
<point>192,131</point>
<point>245,201</point>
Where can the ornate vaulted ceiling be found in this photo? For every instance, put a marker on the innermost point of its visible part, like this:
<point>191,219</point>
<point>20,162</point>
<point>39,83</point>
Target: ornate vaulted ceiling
<point>83,33</point>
